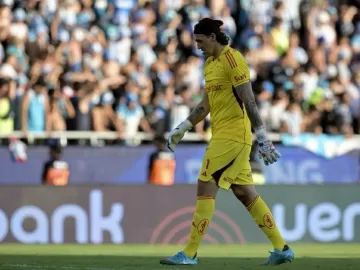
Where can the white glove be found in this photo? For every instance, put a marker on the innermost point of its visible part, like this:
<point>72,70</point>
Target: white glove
<point>177,134</point>
<point>267,150</point>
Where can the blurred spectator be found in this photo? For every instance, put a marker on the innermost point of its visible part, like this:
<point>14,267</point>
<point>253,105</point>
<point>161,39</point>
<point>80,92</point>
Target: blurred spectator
<point>131,116</point>
<point>162,164</point>
<point>132,65</point>
<point>35,109</point>
<point>7,113</point>
<point>60,110</point>
<point>329,119</point>
<point>55,171</point>
<point>291,121</point>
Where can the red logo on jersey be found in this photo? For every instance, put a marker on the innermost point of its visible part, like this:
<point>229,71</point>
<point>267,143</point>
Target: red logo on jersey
<point>212,88</point>
<point>240,78</point>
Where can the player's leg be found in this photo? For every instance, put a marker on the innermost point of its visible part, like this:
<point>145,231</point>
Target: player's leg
<point>204,210</point>
<point>240,177</point>
<point>262,215</point>
<point>219,156</point>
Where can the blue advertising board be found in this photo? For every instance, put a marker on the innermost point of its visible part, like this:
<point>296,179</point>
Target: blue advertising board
<point>107,165</point>
<point>299,166</point>
<point>128,165</point>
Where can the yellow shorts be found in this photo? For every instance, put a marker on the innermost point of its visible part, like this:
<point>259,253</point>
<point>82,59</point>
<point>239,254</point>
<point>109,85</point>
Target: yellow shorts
<point>227,163</point>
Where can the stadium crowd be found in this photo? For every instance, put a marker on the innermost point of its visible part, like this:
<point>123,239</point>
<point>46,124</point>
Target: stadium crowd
<point>129,65</point>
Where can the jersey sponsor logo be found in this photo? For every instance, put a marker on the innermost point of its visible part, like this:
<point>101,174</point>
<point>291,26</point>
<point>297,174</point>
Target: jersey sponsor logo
<point>203,224</point>
<point>239,78</point>
<point>204,174</point>
<point>230,58</point>
<point>213,88</point>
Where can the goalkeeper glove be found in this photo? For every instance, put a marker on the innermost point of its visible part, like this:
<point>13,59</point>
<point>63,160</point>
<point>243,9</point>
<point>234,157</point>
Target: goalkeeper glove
<point>177,134</point>
<point>267,150</point>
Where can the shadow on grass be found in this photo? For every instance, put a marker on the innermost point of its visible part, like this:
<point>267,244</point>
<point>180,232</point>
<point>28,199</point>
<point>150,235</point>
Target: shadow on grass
<point>104,262</point>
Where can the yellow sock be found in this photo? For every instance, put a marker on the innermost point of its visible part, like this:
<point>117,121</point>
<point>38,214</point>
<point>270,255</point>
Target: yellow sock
<point>204,211</point>
<point>263,217</point>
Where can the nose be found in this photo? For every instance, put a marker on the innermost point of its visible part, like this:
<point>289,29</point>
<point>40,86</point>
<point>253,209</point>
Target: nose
<point>198,46</point>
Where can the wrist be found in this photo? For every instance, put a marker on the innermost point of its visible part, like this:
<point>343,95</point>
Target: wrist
<point>185,125</point>
<point>261,134</point>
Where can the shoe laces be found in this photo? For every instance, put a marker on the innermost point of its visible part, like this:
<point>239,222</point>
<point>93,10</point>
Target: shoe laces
<point>179,255</point>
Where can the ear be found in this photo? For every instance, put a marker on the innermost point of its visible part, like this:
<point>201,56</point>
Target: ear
<point>213,37</point>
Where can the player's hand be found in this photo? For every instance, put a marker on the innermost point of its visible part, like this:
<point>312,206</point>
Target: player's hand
<point>177,134</point>
<point>267,150</point>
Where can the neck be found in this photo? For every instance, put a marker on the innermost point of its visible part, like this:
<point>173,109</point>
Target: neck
<point>218,49</point>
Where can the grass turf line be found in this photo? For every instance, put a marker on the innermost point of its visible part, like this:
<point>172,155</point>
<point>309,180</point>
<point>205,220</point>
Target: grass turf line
<point>146,257</point>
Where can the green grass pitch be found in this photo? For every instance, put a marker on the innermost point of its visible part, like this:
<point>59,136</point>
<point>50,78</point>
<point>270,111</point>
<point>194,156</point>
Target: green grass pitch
<point>145,257</point>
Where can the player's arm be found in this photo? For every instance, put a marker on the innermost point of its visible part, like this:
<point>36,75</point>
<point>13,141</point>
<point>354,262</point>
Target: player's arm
<point>200,112</point>
<point>246,95</point>
<point>266,147</point>
<point>197,115</point>
<point>238,72</point>
<point>239,75</point>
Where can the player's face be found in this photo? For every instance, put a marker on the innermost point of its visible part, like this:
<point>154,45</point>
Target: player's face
<point>205,43</point>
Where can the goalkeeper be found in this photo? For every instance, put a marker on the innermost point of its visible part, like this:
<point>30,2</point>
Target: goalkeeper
<point>230,101</point>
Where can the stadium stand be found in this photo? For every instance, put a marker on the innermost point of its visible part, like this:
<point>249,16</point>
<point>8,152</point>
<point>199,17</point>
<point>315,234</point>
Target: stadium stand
<point>130,69</point>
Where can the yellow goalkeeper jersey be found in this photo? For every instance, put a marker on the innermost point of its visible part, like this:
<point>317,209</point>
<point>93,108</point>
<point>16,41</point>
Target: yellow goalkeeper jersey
<point>227,113</point>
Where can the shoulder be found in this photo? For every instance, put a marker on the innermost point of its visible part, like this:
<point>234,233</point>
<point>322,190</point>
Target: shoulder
<point>233,58</point>
<point>208,60</point>
<point>29,93</point>
<point>237,54</point>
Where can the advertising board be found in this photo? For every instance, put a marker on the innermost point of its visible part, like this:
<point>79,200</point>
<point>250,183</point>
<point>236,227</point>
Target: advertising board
<point>150,214</point>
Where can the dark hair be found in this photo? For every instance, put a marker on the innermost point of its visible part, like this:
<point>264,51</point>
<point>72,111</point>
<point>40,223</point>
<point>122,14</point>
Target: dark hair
<point>41,81</point>
<point>207,26</point>
<point>4,81</point>
<point>55,147</point>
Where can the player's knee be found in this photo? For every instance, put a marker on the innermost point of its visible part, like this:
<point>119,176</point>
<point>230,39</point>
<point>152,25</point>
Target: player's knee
<point>239,193</point>
<point>244,193</point>
<point>206,189</point>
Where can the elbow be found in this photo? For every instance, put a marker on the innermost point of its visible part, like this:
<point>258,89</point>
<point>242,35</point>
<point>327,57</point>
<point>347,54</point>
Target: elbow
<point>250,103</point>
